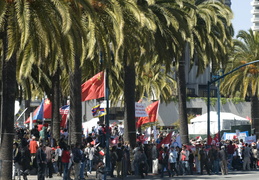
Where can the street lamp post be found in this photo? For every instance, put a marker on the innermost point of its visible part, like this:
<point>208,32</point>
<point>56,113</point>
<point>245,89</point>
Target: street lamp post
<point>208,96</point>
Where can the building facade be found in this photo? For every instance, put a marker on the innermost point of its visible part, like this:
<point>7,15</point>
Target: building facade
<point>255,13</point>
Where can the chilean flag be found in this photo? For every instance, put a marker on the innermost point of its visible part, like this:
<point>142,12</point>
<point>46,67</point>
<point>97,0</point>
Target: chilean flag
<point>44,110</point>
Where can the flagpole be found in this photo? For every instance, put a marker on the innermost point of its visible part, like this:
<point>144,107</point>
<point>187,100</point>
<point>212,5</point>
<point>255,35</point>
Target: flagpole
<point>107,154</point>
<point>21,114</point>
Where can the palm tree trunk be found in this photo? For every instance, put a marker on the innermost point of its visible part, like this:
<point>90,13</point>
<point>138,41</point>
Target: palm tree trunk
<point>129,103</point>
<point>56,102</point>
<point>75,116</point>
<point>255,114</point>
<point>7,105</point>
<point>181,88</point>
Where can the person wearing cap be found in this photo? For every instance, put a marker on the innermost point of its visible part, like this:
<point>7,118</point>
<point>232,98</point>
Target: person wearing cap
<point>223,161</point>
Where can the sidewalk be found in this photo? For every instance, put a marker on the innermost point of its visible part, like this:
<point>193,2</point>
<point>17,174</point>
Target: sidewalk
<point>55,177</point>
<point>232,174</point>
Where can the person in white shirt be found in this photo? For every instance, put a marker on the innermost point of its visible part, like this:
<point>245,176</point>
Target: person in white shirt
<point>121,129</point>
<point>58,154</point>
<point>89,152</point>
<point>173,155</point>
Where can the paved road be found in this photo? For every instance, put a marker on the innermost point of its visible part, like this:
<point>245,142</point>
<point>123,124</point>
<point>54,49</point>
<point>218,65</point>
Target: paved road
<point>234,175</point>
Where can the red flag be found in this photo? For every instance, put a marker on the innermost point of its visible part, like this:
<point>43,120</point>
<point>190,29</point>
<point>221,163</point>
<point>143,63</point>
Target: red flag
<point>93,88</point>
<point>142,120</point>
<point>151,110</point>
<point>166,140</point>
<point>209,140</point>
<point>47,109</point>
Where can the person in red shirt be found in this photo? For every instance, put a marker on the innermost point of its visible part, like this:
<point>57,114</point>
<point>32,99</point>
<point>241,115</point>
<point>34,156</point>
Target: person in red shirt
<point>230,150</point>
<point>65,157</point>
<point>33,146</point>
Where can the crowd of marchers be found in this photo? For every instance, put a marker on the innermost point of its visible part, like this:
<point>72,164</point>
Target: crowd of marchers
<point>35,152</point>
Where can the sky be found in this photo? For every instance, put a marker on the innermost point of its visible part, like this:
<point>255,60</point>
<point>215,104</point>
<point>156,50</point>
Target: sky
<point>242,15</point>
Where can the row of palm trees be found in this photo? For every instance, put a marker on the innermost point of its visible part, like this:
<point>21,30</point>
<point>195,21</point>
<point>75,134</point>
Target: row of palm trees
<point>52,46</point>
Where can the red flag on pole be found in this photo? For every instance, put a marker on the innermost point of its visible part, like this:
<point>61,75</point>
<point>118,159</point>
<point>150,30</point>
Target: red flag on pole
<point>152,111</point>
<point>93,88</point>
<point>47,109</point>
<point>209,140</point>
<point>166,140</point>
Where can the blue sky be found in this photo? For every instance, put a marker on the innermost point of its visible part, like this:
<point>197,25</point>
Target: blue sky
<point>242,15</point>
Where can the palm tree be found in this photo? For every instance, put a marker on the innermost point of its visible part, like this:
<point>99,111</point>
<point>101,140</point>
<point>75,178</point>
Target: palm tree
<point>7,105</point>
<point>211,36</point>
<point>244,82</point>
<point>17,20</point>
<point>174,30</point>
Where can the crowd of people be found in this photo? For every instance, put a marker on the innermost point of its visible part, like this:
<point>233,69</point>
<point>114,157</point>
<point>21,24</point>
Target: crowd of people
<point>34,152</point>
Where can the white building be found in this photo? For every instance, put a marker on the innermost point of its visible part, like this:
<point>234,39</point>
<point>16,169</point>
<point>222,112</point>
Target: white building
<point>255,13</point>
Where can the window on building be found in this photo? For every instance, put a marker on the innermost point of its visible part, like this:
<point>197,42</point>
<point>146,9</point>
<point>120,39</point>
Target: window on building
<point>213,93</point>
<point>191,92</point>
<point>194,111</point>
<point>116,113</point>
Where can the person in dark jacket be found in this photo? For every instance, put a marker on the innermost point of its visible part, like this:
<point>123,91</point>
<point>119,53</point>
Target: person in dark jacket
<point>35,132</point>
<point>77,158</point>
<point>119,159</point>
<point>25,160</point>
<point>142,163</point>
<point>204,160</point>
<point>16,160</point>
<point>114,158</point>
<point>164,162</point>
<point>191,161</point>
<point>41,161</point>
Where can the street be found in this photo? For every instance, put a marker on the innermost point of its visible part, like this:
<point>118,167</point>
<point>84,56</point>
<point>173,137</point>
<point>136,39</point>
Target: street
<point>235,175</point>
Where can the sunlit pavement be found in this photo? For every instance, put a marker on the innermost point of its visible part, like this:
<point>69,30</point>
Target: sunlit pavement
<point>235,175</point>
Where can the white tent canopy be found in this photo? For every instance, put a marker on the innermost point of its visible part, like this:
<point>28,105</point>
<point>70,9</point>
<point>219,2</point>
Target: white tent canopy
<point>199,124</point>
<point>87,126</point>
